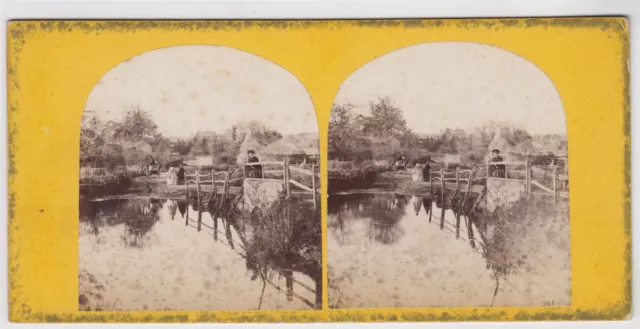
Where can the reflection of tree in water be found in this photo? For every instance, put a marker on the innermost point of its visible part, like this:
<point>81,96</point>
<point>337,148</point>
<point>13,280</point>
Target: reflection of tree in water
<point>286,238</point>
<point>138,216</point>
<point>385,215</point>
<point>384,212</point>
<point>139,220</point>
<point>342,210</point>
<point>504,235</point>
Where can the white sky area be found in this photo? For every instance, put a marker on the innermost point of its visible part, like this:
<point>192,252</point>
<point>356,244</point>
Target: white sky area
<point>191,88</point>
<point>458,85</point>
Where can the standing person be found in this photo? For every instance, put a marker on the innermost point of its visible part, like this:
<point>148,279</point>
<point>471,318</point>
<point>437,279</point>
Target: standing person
<point>256,170</point>
<point>171,175</point>
<point>397,161</point>
<point>497,170</point>
<point>418,173</point>
<point>426,170</point>
<point>181,175</point>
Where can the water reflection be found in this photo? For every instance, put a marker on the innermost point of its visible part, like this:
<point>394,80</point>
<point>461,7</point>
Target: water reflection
<point>134,255</point>
<point>394,251</point>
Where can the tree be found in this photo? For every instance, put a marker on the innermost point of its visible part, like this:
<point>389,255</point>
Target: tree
<point>345,137</point>
<point>182,147</point>
<point>136,125</point>
<point>259,130</point>
<point>386,119</point>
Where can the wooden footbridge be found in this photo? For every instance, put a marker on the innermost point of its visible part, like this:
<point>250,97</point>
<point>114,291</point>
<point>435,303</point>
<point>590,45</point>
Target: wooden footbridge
<point>475,187</point>
<point>231,190</point>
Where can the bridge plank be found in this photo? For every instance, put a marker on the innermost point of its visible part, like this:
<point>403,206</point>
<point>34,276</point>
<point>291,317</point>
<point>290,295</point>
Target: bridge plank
<point>544,188</point>
<point>302,186</point>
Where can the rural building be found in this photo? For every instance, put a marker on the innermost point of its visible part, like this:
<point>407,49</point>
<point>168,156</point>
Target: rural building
<point>543,146</point>
<point>528,147</point>
<point>280,149</point>
<point>312,154</point>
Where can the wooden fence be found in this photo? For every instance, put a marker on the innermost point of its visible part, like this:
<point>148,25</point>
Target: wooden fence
<point>284,168</point>
<point>556,184</point>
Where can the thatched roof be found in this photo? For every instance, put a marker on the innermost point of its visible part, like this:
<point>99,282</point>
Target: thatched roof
<point>249,143</point>
<point>527,147</point>
<point>311,151</point>
<point>282,147</point>
<point>500,143</point>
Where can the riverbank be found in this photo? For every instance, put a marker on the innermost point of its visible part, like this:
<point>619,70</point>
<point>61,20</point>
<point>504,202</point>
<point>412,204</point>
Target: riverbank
<point>142,187</point>
<point>398,182</point>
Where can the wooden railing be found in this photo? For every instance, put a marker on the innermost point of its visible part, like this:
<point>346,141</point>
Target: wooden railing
<point>558,182</point>
<point>556,186</point>
<point>457,176</point>
<point>285,169</point>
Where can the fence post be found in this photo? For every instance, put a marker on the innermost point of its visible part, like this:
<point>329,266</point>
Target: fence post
<point>198,186</point>
<point>287,187</point>
<point>529,177</point>
<point>225,190</point>
<point>244,169</point>
<point>488,167</point>
<point>442,186</point>
<point>186,184</point>
<point>555,183</point>
<point>457,179</point>
<point>313,185</point>
<point>213,188</point>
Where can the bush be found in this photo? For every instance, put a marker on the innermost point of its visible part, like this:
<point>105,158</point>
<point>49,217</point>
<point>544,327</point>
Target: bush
<point>288,230</point>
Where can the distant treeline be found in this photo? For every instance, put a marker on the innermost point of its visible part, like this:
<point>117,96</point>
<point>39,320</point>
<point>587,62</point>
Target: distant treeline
<point>102,144</point>
<point>355,136</point>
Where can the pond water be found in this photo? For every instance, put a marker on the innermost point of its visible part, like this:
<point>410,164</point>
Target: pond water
<point>148,254</point>
<point>384,251</point>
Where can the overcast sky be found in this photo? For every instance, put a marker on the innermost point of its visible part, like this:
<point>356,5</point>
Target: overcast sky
<point>191,88</point>
<point>459,85</point>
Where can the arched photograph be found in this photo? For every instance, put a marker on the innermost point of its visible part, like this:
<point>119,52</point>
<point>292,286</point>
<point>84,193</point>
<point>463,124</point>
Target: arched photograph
<point>199,186</point>
<point>448,182</point>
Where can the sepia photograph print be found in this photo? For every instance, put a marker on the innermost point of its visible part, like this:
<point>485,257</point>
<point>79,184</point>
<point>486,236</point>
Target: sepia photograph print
<point>448,182</point>
<point>199,186</point>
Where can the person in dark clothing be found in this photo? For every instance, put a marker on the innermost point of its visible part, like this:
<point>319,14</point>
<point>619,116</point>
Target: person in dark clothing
<point>181,175</point>
<point>497,170</point>
<point>256,170</point>
<point>426,170</point>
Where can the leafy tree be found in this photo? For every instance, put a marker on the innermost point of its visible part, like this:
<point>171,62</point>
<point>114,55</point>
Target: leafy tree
<point>344,135</point>
<point>136,125</point>
<point>182,147</point>
<point>385,119</point>
<point>259,130</point>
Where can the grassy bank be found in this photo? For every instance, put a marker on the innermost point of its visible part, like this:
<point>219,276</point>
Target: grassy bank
<point>99,186</point>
